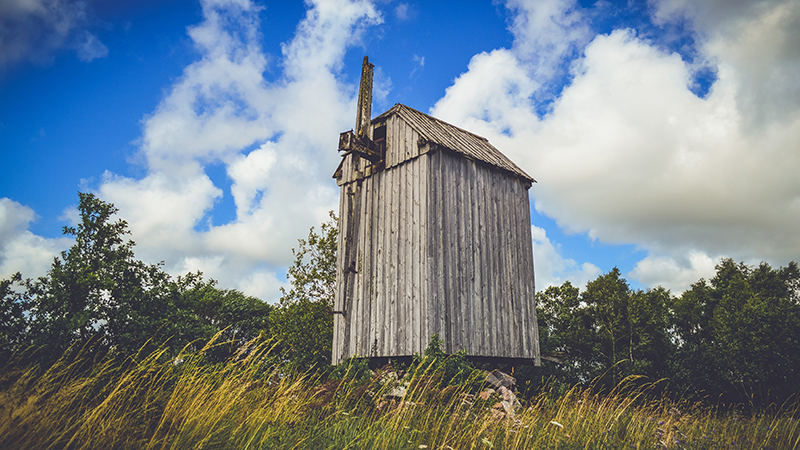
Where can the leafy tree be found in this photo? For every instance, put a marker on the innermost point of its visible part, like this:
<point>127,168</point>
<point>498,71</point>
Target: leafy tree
<point>14,319</point>
<point>739,334</point>
<point>608,329</point>
<point>98,290</point>
<point>650,342</point>
<point>239,317</point>
<point>565,327</point>
<point>303,320</point>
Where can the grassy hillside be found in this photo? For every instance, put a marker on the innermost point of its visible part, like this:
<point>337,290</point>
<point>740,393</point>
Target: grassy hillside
<point>93,402</point>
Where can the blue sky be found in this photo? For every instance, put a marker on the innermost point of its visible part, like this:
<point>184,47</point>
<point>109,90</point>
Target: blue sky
<point>663,134</point>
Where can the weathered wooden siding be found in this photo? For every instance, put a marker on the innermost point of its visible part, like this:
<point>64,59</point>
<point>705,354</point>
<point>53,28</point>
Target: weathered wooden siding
<point>434,243</point>
<point>481,253</point>
<point>381,274</point>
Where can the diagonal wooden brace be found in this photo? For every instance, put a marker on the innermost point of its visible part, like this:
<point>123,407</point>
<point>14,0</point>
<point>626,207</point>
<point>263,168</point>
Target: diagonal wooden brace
<point>363,147</point>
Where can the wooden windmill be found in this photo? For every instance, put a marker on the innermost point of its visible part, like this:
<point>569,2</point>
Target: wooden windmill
<point>434,238</point>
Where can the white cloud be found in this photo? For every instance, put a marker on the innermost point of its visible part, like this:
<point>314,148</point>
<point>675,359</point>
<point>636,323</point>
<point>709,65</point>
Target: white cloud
<point>401,11</point>
<point>419,65</point>
<point>89,47</point>
<point>34,30</point>
<point>277,140</point>
<point>546,33</point>
<point>758,42</point>
<point>20,250</point>
<point>674,273</point>
<point>492,97</point>
<point>629,155</point>
<point>552,269</point>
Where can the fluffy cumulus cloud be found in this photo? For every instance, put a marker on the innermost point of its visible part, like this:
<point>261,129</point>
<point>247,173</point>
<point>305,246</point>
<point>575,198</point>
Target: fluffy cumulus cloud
<point>675,273</point>
<point>628,153</point>
<point>553,269</point>
<point>34,29</point>
<point>276,140</point>
<point>21,250</point>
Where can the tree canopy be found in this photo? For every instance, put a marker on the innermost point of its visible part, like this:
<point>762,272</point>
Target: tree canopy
<point>97,290</point>
<point>302,323</point>
<point>733,339</point>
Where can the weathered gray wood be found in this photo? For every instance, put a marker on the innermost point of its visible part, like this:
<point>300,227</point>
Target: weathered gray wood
<point>424,265</point>
<point>449,225</point>
<point>460,262</point>
<point>408,143</point>
<point>362,274</point>
<point>475,256</point>
<point>416,261</point>
<point>338,325</point>
<point>391,310</point>
<point>442,246</point>
<point>383,290</point>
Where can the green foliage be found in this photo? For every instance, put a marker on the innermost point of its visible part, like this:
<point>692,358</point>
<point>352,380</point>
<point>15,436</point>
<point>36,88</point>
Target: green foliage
<point>303,321</point>
<point>15,303</point>
<point>98,292</point>
<point>740,334</point>
<point>732,340</point>
<point>351,369</point>
<point>609,331</point>
<point>237,317</point>
<point>450,370</point>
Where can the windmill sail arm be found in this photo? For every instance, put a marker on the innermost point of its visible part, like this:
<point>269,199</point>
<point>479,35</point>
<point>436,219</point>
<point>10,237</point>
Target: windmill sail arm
<point>363,147</point>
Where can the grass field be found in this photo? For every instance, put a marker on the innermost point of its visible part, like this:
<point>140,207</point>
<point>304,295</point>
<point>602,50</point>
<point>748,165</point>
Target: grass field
<point>90,402</point>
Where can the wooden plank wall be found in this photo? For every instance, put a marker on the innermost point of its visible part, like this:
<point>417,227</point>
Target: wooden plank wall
<point>435,243</point>
<point>481,252</point>
<point>400,137</point>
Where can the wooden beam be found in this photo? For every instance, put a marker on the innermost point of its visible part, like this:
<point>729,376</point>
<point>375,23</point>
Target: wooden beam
<point>349,142</point>
<point>364,112</point>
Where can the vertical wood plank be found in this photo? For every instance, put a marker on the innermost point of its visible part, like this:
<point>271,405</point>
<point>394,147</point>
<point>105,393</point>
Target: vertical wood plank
<point>430,241</point>
<point>415,150</point>
<point>408,268</point>
<point>424,266</point>
<point>402,246</point>
<point>401,142</point>
<point>399,321</point>
<point>342,257</point>
<point>337,320</point>
<point>450,235</point>
<point>509,258</point>
<point>495,267</point>
<point>374,262</point>
<point>504,260</point>
<point>515,343</point>
<point>364,270</point>
<point>533,339</point>
<point>517,269</point>
<point>391,142</point>
<point>435,313</point>
<point>409,143</point>
<point>385,224</point>
<point>393,269</point>
<point>443,277</point>
<point>481,245</point>
<point>462,264</point>
<point>414,298</point>
<point>477,330</point>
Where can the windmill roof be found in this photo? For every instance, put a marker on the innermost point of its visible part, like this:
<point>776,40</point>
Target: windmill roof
<point>455,139</point>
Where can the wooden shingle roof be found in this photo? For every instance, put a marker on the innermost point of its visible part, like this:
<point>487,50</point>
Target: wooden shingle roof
<point>455,139</point>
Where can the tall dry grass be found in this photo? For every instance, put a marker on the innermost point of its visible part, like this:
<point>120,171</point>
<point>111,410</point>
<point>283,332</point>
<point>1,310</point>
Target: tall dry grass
<point>149,402</point>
